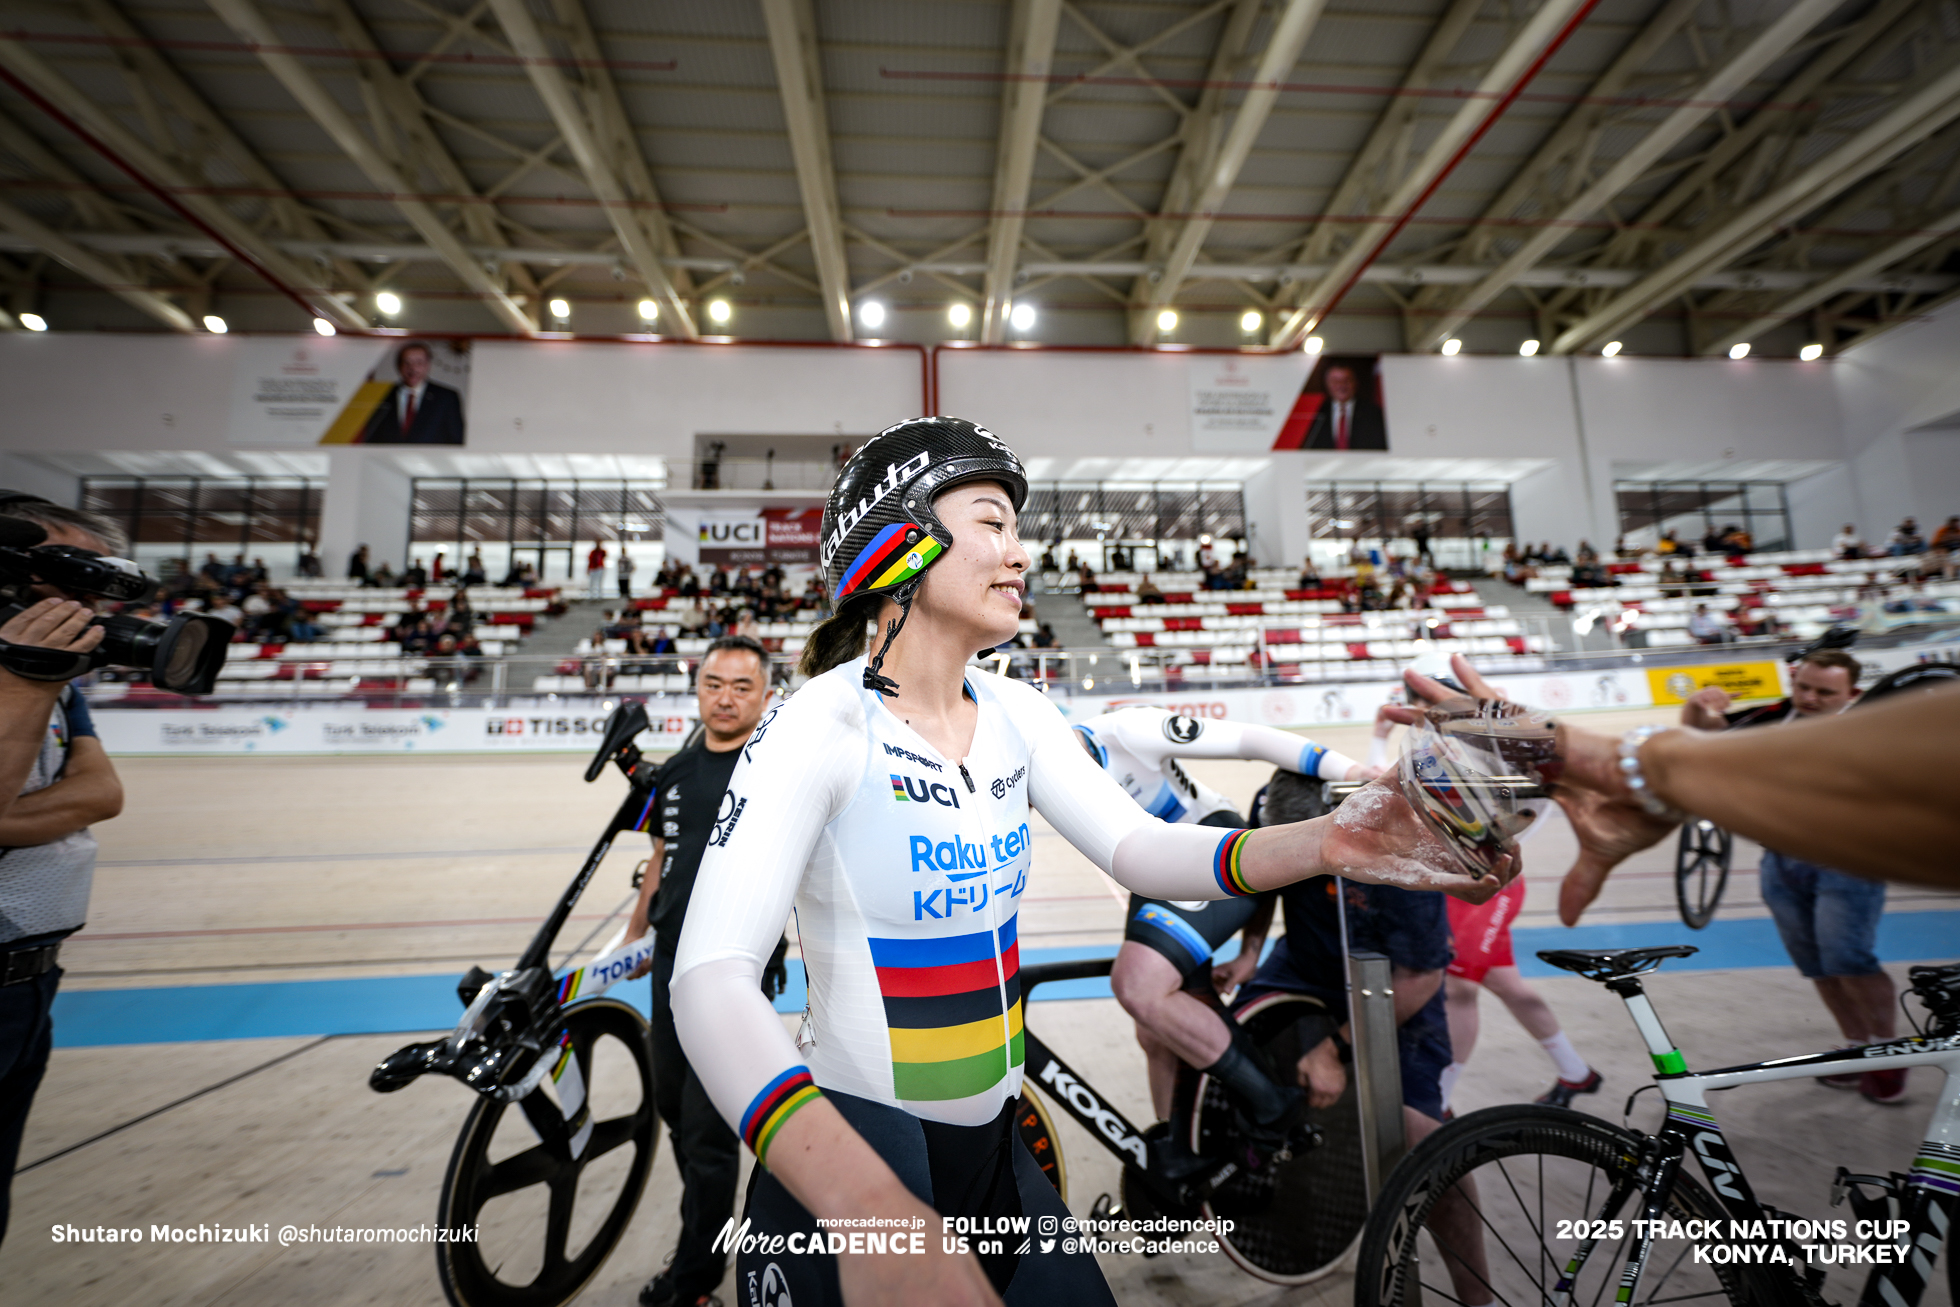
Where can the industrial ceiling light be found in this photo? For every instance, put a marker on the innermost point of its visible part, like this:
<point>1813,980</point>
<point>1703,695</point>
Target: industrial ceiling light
<point>959,315</point>
<point>560,309</point>
<point>1167,320</point>
<point>1740,351</point>
<point>1251,321</point>
<point>322,326</point>
<point>388,302</point>
<point>215,324</point>
<point>1811,353</point>
<point>1022,317</point>
<point>649,310</point>
<point>33,321</point>
<point>872,314</point>
<point>1452,347</point>
<point>720,310</point>
<point>1314,345</point>
<point>1610,348</point>
<point>1529,348</point>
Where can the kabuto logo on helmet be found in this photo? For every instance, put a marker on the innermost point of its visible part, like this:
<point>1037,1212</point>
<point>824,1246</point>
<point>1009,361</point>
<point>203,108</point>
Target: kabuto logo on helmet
<point>896,475</point>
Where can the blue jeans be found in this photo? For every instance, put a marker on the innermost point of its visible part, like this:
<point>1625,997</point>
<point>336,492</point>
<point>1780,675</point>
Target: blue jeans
<point>1828,920</point>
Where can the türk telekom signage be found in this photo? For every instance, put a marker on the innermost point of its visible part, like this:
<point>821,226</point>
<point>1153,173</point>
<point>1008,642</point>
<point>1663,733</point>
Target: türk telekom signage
<point>760,536</point>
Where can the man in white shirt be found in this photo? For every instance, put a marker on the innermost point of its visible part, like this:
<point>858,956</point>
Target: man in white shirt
<point>1846,544</point>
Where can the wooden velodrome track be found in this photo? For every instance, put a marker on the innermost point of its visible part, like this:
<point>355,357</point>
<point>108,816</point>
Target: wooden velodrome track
<point>311,888</point>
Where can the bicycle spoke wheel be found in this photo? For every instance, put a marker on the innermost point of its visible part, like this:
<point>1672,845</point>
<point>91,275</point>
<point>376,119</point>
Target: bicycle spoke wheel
<point>1484,1210</point>
<point>547,1219</point>
<point>1293,1219</point>
<point>1701,870</point>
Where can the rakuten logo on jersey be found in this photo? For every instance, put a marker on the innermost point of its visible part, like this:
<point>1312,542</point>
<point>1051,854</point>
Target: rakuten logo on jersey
<point>963,861</point>
<point>907,789</point>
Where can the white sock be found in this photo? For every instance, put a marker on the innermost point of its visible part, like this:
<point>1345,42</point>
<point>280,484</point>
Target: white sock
<point>1571,1067</point>
<point>1450,1076</point>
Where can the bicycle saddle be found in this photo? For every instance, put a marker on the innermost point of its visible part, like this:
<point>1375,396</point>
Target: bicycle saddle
<point>1613,963</point>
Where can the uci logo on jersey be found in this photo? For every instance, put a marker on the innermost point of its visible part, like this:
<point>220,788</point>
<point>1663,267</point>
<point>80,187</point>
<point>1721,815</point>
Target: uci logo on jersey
<point>906,789</point>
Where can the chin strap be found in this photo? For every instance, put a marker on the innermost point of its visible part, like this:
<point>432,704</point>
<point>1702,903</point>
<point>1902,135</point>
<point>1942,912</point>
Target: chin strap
<point>903,597</point>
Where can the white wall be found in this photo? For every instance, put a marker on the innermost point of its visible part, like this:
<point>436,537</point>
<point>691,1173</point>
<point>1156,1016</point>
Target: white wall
<point>1564,427</point>
<point>1900,395</point>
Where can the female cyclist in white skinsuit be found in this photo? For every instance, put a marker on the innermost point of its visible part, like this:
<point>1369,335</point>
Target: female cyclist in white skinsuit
<point>888,802</point>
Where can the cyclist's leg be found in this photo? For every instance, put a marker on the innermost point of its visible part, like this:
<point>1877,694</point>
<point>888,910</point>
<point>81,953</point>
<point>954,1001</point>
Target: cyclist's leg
<point>1171,1022</point>
<point>1195,1030</point>
<point>1054,1276</point>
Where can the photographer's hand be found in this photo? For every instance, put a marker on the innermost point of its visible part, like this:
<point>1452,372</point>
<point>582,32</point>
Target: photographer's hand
<point>26,705</point>
<point>59,624</point>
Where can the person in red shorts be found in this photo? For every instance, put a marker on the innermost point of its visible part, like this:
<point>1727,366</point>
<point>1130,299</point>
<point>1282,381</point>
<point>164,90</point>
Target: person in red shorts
<point>1484,960</point>
<point>1482,934</point>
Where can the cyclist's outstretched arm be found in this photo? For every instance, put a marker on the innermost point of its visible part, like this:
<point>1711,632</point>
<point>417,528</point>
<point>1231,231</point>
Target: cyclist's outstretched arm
<point>798,771</point>
<point>1374,837</point>
<point>1255,743</point>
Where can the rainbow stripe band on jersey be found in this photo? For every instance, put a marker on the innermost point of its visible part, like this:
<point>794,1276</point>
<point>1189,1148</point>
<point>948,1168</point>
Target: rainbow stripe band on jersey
<point>1225,865</point>
<point>888,560</point>
<point>953,1009</point>
<point>778,1102</point>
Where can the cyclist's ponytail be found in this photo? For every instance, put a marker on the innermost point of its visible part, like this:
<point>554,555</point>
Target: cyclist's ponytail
<point>840,637</point>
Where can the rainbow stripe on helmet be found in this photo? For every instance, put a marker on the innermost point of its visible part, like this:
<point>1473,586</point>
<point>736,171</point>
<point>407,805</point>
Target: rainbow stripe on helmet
<point>888,560</point>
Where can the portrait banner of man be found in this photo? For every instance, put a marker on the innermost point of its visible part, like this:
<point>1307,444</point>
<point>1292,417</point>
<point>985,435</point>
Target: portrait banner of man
<point>414,396</point>
<point>1339,408</point>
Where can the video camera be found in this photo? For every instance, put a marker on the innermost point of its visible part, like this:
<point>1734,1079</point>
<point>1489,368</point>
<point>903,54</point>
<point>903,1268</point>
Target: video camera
<point>183,655</point>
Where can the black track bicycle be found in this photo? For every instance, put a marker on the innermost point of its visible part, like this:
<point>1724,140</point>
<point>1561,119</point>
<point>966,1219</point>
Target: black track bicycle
<point>1294,1213</point>
<point>551,1186</point>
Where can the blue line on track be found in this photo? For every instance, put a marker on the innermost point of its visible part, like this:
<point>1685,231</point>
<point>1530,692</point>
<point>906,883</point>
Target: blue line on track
<point>406,1004</point>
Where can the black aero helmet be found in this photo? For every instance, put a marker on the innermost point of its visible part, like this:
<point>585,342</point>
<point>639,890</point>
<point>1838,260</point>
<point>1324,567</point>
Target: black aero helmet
<point>879,527</point>
<point>880,532</point>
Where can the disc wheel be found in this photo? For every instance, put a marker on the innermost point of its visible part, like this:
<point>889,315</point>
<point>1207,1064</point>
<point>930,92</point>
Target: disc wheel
<point>1487,1209</point>
<point>545,1219</point>
<point>1701,870</point>
<point>1037,1131</point>
<point>1293,1220</point>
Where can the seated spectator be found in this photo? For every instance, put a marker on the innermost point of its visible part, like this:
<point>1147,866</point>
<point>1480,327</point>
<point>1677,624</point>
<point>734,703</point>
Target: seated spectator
<point>1705,627</point>
<point>1667,544</point>
<point>415,576</point>
<point>1906,540</point>
<point>383,577</point>
<point>1044,637</point>
<point>1586,556</point>
<point>1309,574</point>
<point>309,560</point>
<point>1948,536</point>
<point>1556,556</point>
<point>474,574</point>
<point>1847,544</point>
<point>460,617</point>
<point>1147,591</point>
<point>1942,561</point>
<point>221,607</point>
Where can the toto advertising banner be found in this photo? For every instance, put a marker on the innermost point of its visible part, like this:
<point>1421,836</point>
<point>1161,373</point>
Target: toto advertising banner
<point>1355,703</point>
<point>339,728</point>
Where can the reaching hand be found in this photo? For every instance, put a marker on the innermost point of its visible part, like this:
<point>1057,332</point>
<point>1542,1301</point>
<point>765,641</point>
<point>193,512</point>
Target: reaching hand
<point>1377,838</point>
<point>1321,1074</point>
<point>1610,825</point>
<point>1240,969</point>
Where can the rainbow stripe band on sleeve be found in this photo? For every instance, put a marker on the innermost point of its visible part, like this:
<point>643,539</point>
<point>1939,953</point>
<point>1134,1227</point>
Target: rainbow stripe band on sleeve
<point>1225,865</point>
<point>777,1103</point>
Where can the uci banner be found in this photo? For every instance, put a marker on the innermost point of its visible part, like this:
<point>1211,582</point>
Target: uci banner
<point>759,537</point>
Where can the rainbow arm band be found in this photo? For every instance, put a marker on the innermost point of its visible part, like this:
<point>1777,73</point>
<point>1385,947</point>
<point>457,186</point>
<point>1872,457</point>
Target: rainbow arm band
<point>1225,865</point>
<point>779,1100</point>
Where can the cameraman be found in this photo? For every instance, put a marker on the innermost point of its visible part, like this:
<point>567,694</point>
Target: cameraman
<point>51,759</point>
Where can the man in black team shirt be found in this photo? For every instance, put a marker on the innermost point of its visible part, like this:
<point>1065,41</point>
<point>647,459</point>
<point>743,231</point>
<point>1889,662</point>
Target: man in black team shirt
<point>731,689</point>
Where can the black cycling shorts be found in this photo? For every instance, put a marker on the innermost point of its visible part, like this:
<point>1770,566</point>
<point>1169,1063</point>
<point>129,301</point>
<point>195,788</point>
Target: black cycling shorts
<point>1189,936</point>
<point>978,1172</point>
